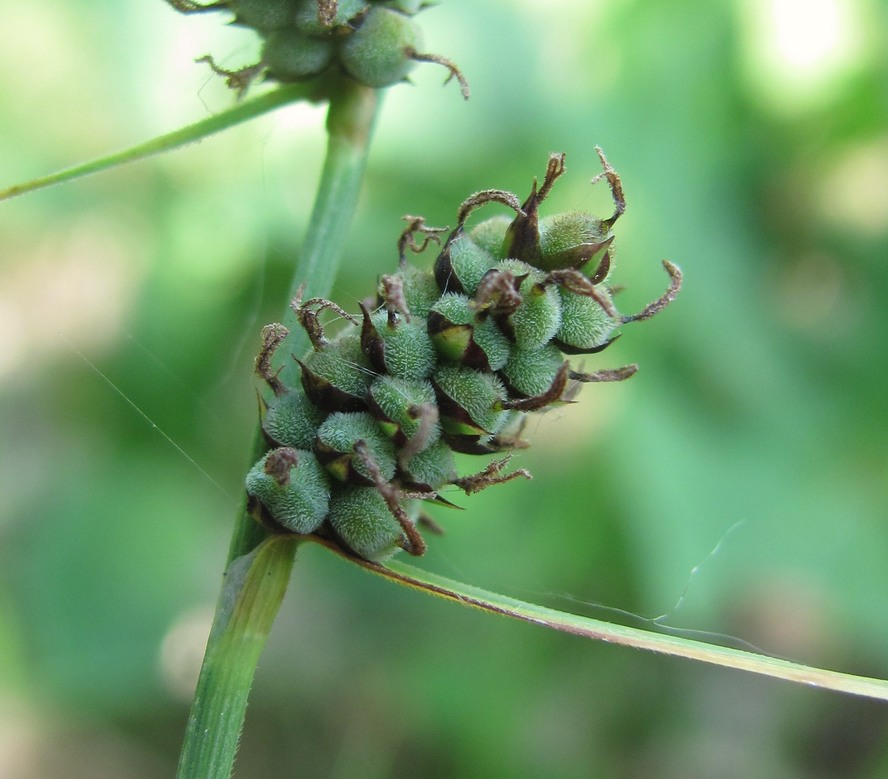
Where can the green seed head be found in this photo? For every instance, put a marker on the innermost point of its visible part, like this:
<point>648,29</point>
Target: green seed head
<point>337,377</point>
<point>454,360</point>
<point>572,240</point>
<point>292,487</point>
<point>264,14</point>
<point>585,325</point>
<point>461,335</point>
<point>490,235</point>
<point>292,420</point>
<point>461,265</point>
<point>531,371</point>
<point>401,348</point>
<point>308,21</point>
<point>397,405</point>
<point>469,402</point>
<point>432,468</point>
<point>335,447</point>
<point>379,53</point>
<point>361,518</point>
<point>291,56</point>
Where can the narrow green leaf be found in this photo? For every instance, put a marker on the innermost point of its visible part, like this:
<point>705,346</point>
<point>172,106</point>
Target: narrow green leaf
<point>193,132</point>
<point>676,646</point>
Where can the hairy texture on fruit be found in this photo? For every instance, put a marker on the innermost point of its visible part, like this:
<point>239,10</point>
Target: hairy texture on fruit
<point>292,487</point>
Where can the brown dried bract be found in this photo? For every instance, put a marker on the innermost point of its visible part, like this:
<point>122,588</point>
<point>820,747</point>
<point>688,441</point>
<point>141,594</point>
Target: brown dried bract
<point>492,474</point>
<point>273,336</point>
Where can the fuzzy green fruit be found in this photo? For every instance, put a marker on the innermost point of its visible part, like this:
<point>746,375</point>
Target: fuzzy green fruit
<point>469,401</point>
<point>308,21</point>
<point>531,371</point>
<point>291,56</point>
<point>335,447</point>
<point>534,323</point>
<point>585,325</point>
<point>419,288</point>
<point>337,377</point>
<point>264,14</point>
<point>292,420</point>
<point>361,518</point>
<point>398,347</point>
<point>572,240</point>
<point>432,468</point>
<point>460,334</point>
<point>490,234</point>
<point>398,404</point>
<point>461,265</point>
<point>379,52</point>
<point>293,488</point>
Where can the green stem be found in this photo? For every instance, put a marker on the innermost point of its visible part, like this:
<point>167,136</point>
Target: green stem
<point>253,589</point>
<point>350,121</point>
<point>193,132</point>
<point>259,564</point>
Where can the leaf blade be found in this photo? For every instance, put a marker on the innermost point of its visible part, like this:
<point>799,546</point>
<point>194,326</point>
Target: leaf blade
<point>241,112</point>
<point>638,638</point>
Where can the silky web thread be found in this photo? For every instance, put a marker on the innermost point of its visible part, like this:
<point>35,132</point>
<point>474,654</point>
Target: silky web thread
<point>660,620</point>
<point>150,421</point>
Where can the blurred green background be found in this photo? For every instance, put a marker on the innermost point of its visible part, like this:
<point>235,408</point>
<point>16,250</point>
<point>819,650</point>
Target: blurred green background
<point>737,485</point>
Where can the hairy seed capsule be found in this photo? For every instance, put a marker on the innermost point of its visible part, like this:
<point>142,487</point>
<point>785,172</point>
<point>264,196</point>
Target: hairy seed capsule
<point>361,518</point>
<point>461,265</point>
<point>470,404</point>
<point>293,488</point>
<point>585,325</point>
<point>335,447</point>
<point>431,469</point>
<point>538,318</point>
<point>308,20</point>
<point>291,56</point>
<point>378,53</point>
<point>264,14</point>
<point>395,346</point>
<point>405,409</point>
<point>292,420</point>
<point>420,290</point>
<point>530,372</point>
<point>490,235</point>
<point>337,377</point>
<point>572,240</point>
<point>460,334</point>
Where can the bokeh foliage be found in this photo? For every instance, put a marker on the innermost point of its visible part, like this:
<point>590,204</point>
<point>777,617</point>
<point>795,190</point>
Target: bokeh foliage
<point>742,472</point>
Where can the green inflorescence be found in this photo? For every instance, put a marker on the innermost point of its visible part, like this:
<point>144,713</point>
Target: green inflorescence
<point>375,42</point>
<point>451,360</point>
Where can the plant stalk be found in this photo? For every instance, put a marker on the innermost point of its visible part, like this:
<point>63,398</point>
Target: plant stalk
<point>259,563</point>
<point>252,591</point>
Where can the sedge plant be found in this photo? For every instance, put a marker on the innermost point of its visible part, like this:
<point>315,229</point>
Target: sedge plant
<point>362,411</point>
